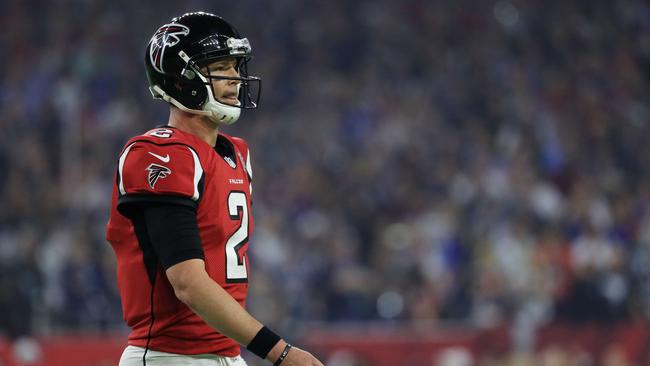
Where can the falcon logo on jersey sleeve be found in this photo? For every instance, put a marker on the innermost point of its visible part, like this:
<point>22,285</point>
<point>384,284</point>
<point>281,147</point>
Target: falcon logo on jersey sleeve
<point>143,164</point>
<point>157,172</point>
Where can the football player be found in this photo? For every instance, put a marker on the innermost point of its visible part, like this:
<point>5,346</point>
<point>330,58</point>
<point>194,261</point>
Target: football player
<point>181,208</point>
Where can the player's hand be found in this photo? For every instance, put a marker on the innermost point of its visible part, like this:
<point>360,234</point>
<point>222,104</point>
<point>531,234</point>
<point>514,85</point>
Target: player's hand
<point>295,357</point>
<point>298,357</point>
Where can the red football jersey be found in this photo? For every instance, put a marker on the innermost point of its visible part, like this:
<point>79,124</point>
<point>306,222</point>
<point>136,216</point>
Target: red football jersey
<point>167,164</point>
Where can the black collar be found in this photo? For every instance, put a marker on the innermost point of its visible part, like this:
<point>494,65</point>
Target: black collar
<point>225,148</point>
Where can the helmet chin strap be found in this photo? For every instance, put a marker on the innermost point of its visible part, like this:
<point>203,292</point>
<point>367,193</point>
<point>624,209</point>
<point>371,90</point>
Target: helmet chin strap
<point>221,113</point>
<point>218,113</point>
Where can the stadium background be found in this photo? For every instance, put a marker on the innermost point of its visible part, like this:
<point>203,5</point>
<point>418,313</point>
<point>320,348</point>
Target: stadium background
<point>436,183</point>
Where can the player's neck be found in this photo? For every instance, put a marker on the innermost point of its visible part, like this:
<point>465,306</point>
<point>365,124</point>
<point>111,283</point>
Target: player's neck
<point>195,124</point>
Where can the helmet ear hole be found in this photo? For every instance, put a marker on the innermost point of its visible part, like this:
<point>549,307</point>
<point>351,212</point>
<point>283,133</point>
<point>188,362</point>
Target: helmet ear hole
<point>201,94</point>
<point>192,95</point>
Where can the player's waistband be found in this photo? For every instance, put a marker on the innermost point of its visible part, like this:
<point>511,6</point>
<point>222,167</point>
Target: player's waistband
<point>212,345</point>
<point>133,356</point>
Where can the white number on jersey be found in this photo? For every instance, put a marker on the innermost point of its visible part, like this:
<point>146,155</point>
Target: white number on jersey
<point>236,264</point>
<point>162,132</point>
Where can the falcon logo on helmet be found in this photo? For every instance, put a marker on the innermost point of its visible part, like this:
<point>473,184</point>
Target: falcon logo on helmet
<point>157,172</point>
<point>166,36</point>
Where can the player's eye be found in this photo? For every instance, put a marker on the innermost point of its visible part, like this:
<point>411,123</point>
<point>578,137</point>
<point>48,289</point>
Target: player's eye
<point>222,67</point>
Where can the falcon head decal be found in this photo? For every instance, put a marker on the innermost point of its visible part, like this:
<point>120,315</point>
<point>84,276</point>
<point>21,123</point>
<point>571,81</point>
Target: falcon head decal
<point>157,172</point>
<point>166,36</point>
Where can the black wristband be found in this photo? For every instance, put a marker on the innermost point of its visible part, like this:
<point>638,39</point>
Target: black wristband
<point>263,342</point>
<point>284,354</point>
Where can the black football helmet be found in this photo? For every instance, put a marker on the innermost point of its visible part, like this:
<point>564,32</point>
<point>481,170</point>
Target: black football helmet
<point>176,60</point>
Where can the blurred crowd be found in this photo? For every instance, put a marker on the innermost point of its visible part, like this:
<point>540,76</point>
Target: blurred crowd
<point>474,162</point>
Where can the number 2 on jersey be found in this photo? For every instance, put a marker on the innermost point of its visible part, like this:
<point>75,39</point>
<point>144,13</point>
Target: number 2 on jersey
<point>236,263</point>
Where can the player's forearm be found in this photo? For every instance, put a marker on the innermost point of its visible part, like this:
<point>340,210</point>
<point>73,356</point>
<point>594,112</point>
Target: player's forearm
<point>216,306</point>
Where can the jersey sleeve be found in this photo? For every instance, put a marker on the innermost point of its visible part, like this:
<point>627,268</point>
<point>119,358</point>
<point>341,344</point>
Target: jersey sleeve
<point>150,172</point>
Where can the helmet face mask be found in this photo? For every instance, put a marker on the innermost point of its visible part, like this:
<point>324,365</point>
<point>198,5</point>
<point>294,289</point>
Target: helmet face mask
<point>248,87</point>
<point>176,62</point>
